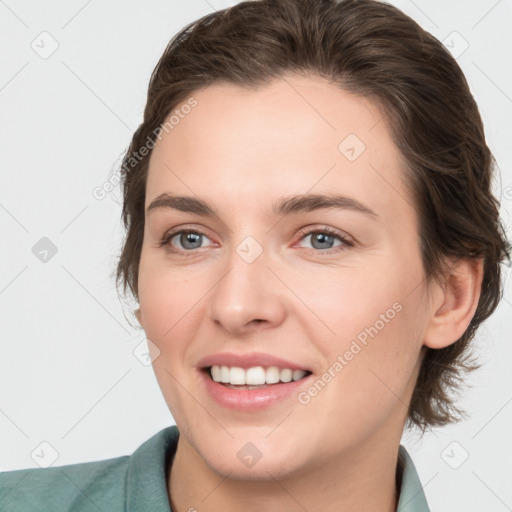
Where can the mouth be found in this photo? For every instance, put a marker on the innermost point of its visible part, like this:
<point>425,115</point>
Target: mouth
<point>256,377</point>
<point>252,381</point>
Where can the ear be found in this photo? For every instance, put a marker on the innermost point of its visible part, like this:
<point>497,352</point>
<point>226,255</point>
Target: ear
<point>138,316</point>
<point>454,303</point>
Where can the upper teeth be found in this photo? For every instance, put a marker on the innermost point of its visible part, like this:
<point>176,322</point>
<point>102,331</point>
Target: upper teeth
<point>254,376</point>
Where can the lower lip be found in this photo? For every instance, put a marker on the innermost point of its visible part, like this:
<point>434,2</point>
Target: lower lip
<point>251,399</point>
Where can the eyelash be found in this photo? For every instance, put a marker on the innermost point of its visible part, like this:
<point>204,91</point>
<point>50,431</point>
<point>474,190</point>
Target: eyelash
<point>303,234</point>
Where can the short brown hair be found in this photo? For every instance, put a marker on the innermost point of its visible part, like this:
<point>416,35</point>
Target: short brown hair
<point>374,50</point>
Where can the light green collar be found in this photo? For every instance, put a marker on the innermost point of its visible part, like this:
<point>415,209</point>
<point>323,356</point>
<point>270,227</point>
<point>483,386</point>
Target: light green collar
<point>412,496</point>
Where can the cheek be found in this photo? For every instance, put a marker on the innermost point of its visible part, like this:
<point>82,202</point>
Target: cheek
<point>376,323</point>
<point>353,301</point>
<point>167,300</point>
<point>380,355</point>
<point>167,313</point>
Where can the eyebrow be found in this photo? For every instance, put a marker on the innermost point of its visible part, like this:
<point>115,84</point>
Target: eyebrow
<point>284,206</point>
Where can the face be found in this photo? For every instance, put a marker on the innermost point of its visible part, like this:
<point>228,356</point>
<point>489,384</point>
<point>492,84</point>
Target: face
<point>263,280</point>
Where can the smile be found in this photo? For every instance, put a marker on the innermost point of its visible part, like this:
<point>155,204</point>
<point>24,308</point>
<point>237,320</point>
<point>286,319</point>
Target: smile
<point>252,389</point>
<point>254,377</point>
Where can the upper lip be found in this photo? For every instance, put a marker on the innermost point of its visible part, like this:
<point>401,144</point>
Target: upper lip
<point>248,360</point>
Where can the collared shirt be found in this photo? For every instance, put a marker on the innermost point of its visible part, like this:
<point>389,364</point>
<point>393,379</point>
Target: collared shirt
<point>132,483</point>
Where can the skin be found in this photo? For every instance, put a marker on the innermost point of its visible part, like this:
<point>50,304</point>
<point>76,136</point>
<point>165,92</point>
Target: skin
<point>240,150</point>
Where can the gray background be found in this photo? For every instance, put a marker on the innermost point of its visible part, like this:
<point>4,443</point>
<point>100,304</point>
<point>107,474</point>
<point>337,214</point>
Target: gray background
<point>72,369</point>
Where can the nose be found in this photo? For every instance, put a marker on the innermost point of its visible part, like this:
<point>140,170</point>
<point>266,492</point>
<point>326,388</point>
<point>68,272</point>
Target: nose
<point>248,296</point>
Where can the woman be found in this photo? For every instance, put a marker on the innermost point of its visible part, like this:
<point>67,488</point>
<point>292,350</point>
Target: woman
<point>313,242</point>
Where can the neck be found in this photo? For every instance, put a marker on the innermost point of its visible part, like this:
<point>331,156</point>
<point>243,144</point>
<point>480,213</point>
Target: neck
<point>359,480</point>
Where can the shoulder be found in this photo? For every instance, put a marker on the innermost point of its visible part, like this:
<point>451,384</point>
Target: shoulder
<point>57,488</point>
<point>116,484</point>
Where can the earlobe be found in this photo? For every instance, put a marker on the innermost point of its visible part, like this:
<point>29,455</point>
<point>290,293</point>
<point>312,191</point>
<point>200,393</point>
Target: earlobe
<point>138,316</point>
<point>455,303</point>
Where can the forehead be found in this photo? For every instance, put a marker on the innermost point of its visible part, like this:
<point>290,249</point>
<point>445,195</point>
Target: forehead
<point>293,136</point>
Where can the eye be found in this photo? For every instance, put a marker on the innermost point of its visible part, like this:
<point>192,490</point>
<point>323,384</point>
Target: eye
<point>187,241</point>
<point>184,241</point>
<point>323,239</point>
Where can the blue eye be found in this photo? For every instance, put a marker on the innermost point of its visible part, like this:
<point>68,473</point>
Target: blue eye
<point>191,240</point>
<point>324,238</point>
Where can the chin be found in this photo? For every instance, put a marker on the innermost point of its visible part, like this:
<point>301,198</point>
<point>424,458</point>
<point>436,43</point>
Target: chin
<point>267,468</point>
<point>251,458</point>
